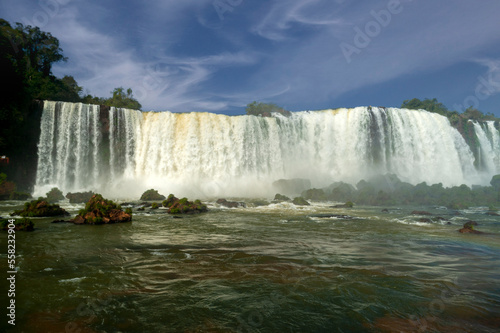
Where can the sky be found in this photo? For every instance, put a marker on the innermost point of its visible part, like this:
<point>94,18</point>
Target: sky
<point>220,55</point>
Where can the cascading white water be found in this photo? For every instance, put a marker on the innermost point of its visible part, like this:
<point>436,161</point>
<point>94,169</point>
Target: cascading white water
<point>208,155</point>
<point>489,143</point>
<point>69,146</point>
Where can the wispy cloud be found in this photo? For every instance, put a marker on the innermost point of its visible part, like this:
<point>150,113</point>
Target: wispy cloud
<point>179,55</point>
<point>282,15</point>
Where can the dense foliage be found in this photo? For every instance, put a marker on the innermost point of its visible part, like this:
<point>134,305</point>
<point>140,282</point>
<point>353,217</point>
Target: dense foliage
<point>79,197</point>
<point>265,109</point>
<point>40,208</point>
<point>23,224</point>
<point>99,210</point>
<point>389,190</point>
<point>27,55</point>
<point>432,105</point>
<point>152,195</point>
<point>183,206</point>
<point>54,195</point>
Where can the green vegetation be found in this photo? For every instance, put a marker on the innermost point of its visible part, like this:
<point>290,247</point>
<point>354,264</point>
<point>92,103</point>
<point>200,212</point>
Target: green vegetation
<point>79,197</point>
<point>27,55</point>
<point>100,211</point>
<point>265,109</point>
<point>119,99</point>
<point>388,190</point>
<point>40,208</point>
<point>183,206</point>
<point>432,105</point>
<point>281,197</point>
<point>152,195</point>
<point>54,195</point>
<point>299,201</point>
<point>23,224</point>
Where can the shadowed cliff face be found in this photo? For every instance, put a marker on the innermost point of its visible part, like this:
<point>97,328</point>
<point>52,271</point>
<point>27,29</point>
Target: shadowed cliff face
<point>22,165</point>
<point>117,151</point>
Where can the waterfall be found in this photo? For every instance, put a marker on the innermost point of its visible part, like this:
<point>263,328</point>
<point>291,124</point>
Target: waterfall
<point>123,152</point>
<point>489,142</point>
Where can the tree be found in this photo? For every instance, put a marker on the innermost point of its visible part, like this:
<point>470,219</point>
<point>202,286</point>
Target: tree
<point>40,48</point>
<point>121,99</point>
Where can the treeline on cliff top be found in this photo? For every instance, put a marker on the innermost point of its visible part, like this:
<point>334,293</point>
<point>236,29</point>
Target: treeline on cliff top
<point>26,58</point>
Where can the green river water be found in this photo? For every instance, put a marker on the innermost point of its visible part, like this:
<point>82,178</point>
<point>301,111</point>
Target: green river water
<point>267,269</point>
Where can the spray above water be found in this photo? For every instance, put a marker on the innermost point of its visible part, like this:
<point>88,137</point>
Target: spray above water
<point>122,152</point>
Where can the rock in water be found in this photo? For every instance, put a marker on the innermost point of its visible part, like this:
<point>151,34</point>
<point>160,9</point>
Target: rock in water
<point>228,204</point>
<point>469,228</point>
<point>420,212</point>
<point>101,211</point>
<point>299,201</point>
<point>40,208</point>
<point>152,195</point>
<point>183,206</point>
<point>292,186</point>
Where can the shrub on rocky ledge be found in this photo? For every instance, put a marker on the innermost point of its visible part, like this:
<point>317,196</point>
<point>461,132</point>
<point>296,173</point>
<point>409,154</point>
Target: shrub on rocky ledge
<point>79,197</point>
<point>183,206</point>
<point>152,195</point>
<point>54,195</point>
<point>40,208</point>
<point>23,224</point>
<point>101,211</point>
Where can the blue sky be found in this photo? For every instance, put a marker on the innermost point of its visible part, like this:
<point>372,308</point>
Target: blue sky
<point>219,55</point>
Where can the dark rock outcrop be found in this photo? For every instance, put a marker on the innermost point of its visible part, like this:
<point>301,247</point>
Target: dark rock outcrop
<point>54,195</point>
<point>299,201</point>
<point>229,204</point>
<point>23,224</point>
<point>280,197</point>
<point>40,208</point>
<point>152,195</point>
<point>420,212</point>
<point>183,206</point>
<point>102,211</point>
<point>314,194</point>
<point>79,197</point>
<point>468,228</point>
<point>291,186</point>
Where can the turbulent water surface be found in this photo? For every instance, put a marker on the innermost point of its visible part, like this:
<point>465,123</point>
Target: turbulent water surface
<point>279,268</point>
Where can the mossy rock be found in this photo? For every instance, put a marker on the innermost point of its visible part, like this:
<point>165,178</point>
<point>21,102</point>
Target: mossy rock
<point>40,208</point>
<point>102,211</point>
<point>152,195</point>
<point>54,195</point>
<point>23,224</point>
<point>348,204</point>
<point>299,201</point>
<point>170,201</point>
<point>184,206</point>
<point>259,203</point>
<point>280,197</point>
<point>79,197</point>
<point>315,194</point>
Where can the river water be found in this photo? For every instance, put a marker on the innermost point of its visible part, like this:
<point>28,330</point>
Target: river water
<point>267,269</point>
